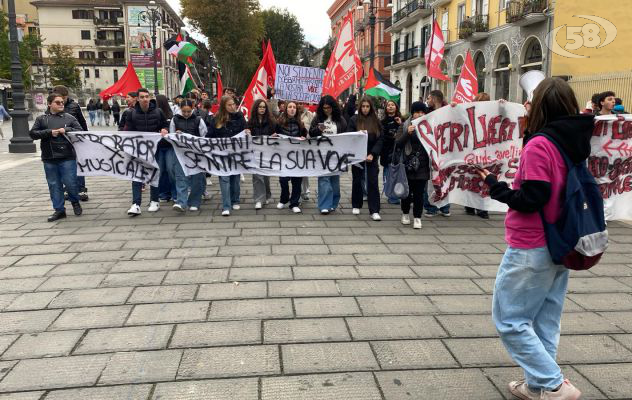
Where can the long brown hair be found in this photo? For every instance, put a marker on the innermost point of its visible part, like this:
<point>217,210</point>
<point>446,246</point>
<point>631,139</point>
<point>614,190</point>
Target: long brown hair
<point>254,115</point>
<point>553,98</point>
<point>369,123</point>
<point>284,118</point>
<point>223,115</point>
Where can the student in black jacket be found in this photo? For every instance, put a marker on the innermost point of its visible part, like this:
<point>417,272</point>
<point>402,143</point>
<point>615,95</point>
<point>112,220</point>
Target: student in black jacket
<point>290,124</point>
<point>58,154</point>
<point>130,100</point>
<point>146,117</point>
<point>366,120</point>
<point>390,124</point>
<point>228,122</point>
<point>116,111</point>
<point>261,123</point>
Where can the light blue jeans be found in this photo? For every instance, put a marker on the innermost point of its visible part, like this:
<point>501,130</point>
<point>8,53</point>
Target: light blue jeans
<point>527,310</point>
<point>170,164</point>
<point>328,192</point>
<point>230,186</point>
<point>196,184</point>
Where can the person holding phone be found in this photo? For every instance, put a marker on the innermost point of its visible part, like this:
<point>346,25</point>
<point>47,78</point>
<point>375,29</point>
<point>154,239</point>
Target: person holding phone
<point>390,124</point>
<point>328,121</point>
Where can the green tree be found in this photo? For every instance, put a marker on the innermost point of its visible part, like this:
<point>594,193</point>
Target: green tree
<point>327,53</point>
<point>62,66</point>
<point>27,48</point>
<point>234,30</point>
<point>283,30</point>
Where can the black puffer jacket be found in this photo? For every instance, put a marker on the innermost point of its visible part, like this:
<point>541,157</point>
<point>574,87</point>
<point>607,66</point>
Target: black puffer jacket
<point>187,125</point>
<point>375,142</point>
<point>234,126</point>
<point>292,128</point>
<point>123,120</point>
<point>152,120</point>
<point>55,148</point>
<point>412,147</point>
<point>116,108</point>
<point>389,130</point>
<point>265,128</point>
<point>74,109</point>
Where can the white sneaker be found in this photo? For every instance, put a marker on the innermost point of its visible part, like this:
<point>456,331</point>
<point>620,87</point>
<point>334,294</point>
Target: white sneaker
<point>324,211</point>
<point>236,206</point>
<point>355,211</point>
<point>153,206</point>
<point>417,223</point>
<point>193,208</point>
<point>296,210</point>
<point>376,217</point>
<point>225,213</point>
<point>178,207</point>
<point>405,219</point>
<point>258,205</point>
<point>280,206</point>
<point>134,210</point>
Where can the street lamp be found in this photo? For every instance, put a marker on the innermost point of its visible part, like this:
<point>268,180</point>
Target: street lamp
<point>21,142</point>
<point>372,18</point>
<point>152,17</point>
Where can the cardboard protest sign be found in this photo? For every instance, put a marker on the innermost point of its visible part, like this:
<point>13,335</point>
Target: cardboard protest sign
<point>302,84</point>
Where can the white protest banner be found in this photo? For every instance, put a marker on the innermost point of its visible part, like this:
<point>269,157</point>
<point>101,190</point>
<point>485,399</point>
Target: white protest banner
<point>611,164</point>
<point>487,134</point>
<point>271,156</point>
<point>303,84</point>
<point>124,155</point>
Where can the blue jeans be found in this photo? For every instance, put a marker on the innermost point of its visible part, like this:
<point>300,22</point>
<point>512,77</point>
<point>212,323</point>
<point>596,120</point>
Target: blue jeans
<point>434,209</point>
<point>527,310</point>
<point>167,186</point>
<point>137,193</point>
<point>197,184</point>
<point>230,187</point>
<point>328,192</point>
<point>170,165</point>
<point>58,175</point>
<point>385,174</point>
<point>3,113</point>
<point>93,116</point>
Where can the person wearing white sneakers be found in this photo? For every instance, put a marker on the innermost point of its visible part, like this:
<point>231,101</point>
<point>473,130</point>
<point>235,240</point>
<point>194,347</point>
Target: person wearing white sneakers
<point>145,117</point>
<point>261,124</point>
<point>417,165</point>
<point>366,120</point>
<point>291,125</point>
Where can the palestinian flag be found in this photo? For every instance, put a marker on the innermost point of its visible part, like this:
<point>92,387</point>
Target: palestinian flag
<point>186,79</point>
<point>182,50</point>
<point>378,86</point>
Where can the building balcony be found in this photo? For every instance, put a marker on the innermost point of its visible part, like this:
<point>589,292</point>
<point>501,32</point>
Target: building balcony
<point>101,61</point>
<point>108,22</point>
<point>439,3</point>
<point>411,56</point>
<point>388,22</point>
<point>109,43</point>
<point>474,28</point>
<point>409,14</point>
<point>526,12</point>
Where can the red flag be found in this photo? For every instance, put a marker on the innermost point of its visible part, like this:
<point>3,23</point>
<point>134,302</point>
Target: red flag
<point>270,65</point>
<point>435,56</point>
<point>220,91</point>
<point>128,83</point>
<point>179,38</point>
<point>467,87</point>
<point>258,88</point>
<point>344,65</point>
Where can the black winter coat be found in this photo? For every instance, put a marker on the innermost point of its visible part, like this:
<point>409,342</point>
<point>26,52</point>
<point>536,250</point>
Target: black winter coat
<point>187,125</point>
<point>123,119</point>
<point>55,148</point>
<point>314,131</point>
<point>235,125</point>
<point>411,147</point>
<point>152,120</point>
<point>389,130</point>
<point>116,108</point>
<point>266,128</point>
<point>74,109</point>
<point>375,142</point>
<point>292,129</point>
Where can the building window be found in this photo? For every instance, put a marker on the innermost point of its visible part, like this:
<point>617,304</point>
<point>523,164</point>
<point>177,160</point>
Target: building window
<point>502,74</point>
<point>82,14</point>
<point>116,75</point>
<point>86,55</point>
<point>118,54</point>
<point>479,66</point>
<point>96,73</point>
<point>85,35</point>
<point>102,35</point>
<point>503,4</point>
<point>460,14</point>
<point>86,73</point>
<point>103,54</point>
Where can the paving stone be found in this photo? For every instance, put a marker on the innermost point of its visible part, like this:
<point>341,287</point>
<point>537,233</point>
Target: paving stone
<point>327,357</point>
<point>92,317</point>
<point>579,349</point>
<point>43,344</point>
<point>479,352</point>
<point>264,261</point>
<point>443,286</point>
<point>603,301</point>
<point>396,305</point>
<point>373,287</point>
<point>168,313</point>
<point>338,272</point>
<point>463,304</point>
<point>46,259</point>
<point>27,321</point>
<point>5,367</point>
<point>612,379</point>
<point>133,279</point>
<point>127,392</point>
<point>297,249</point>
<point>6,341</point>
<point>54,373</point>
<point>302,288</point>
<point>146,265</point>
<point>413,354</point>
<point>586,323</point>
<point>244,250</point>
<point>25,272</point>
<point>468,325</point>
<point>20,285</point>
<point>391,271</point>
<point>207,262</point>
<point>444,259</point>
<point>445,271</point>
<point>91,297</point>
<point>6,299</point>
<point>95,246</point>
<point>72,282</point>
<point>105,256</point>
<point>305,330</point>
<point>260,274</point>
<point>22,396</point>
<point>383,259</point>
<point>251,309</point>
<point>153,244</point>
<point>253,240</point>
<point>125,339</point>
<point>596,285</point>
<point>31,301</point>
<point>209,334</point>
<point>232,290</point>
<point>348,386</point>
<point>196,276</point>
<point>354,239</point>
<point>146,366</point>
<point>622,319</point>
<point>163,294</point>
<point>151,254</point>
<point>326,307</point>
<point>394,327</point>
<point>225,389</point>
<point>219,362</point>
<point>81,269</point>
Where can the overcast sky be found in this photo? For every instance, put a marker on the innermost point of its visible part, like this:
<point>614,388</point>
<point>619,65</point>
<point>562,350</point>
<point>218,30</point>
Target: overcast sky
<point>311,14</point>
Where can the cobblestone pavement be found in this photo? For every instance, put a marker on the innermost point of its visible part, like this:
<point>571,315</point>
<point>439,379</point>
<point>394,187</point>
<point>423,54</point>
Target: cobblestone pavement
<point>269,305</point>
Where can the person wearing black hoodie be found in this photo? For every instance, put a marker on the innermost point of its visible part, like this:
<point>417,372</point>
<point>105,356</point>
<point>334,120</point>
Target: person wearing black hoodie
<point>530,289</point>
<point>146,117</point>
<point>290,124</point>
<point>390,124</point>
<point>116,112</point>
<point>58,154</point>
<point>261,123</point>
